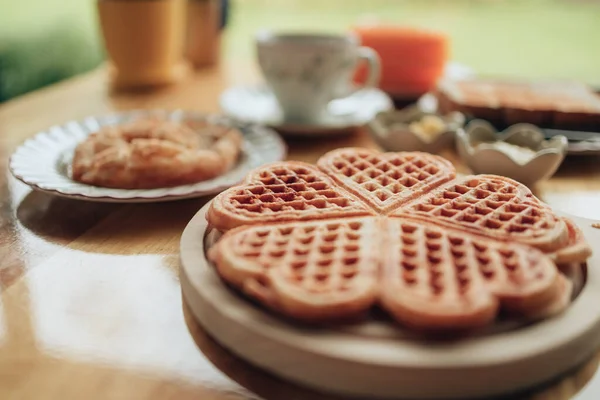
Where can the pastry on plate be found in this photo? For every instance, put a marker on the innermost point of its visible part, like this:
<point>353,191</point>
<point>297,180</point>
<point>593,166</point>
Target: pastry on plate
<point>152,153</point>
<point>559,105</point>
<point>400,230</point>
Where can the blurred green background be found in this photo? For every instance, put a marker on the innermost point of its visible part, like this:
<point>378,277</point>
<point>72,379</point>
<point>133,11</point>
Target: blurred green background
<point>45,41</point>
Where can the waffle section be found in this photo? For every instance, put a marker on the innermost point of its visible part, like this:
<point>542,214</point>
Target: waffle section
<point>435,278</point>
<point>386,180</point>
<point>285,191</point>
<point>360,182</point>
<point>428,277</point>
<point>309,271</point>
<point>493,206</point>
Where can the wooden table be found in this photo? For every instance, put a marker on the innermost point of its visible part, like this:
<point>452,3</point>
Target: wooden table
<point>90,304</point>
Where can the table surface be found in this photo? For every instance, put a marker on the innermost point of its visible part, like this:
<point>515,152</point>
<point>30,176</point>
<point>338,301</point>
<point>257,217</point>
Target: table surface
<point>90,302</point>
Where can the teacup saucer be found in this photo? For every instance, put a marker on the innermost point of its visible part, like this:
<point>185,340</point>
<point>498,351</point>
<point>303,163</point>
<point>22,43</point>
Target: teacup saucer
<point>257,105</point>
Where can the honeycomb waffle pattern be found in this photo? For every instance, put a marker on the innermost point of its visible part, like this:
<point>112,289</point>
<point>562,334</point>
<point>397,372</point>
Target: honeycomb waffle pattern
<point>496,206</point>
<point>316,244</point>
<point>287,189</point>
<point>442,278</point>
<point>281,192</point>
<point>386,180</point>
<point>311,269</point>
<point>431,277</point>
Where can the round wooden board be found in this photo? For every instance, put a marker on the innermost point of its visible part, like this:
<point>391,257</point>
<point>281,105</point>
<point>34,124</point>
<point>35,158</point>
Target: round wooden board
<point>375,362</point>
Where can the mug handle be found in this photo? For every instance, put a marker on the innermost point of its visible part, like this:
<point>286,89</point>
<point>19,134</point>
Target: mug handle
<point>370,56</point>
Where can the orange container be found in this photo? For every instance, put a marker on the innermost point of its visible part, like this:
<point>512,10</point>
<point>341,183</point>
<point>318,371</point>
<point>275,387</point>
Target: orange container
<point>412,59</point>
<point>144,40</point>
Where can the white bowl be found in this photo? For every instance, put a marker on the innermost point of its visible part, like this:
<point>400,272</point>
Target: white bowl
<point>521,152</point>
<point>390,129</point>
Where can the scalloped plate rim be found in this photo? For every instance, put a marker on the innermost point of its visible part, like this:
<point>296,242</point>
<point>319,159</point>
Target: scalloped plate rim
<point>99,194</point>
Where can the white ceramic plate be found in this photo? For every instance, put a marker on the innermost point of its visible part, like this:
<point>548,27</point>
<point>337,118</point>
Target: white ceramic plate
<point>44,161</point>
<point>257,105</point>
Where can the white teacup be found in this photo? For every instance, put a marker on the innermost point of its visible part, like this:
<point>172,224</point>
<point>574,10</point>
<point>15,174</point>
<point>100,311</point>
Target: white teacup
<point>307,71</point>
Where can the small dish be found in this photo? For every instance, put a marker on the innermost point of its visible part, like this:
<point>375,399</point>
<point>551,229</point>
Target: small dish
<point>44,161</point>
<point>258,105</point>
<point>581,143</point>
<point>521,152</point>
<point>392,130</point>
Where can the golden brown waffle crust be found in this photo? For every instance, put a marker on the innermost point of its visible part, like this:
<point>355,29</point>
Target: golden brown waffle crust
<point>556,237</point>
<point>329,242</point>
<point>223,215</point>
<point>273,289</point>
<point>577,248</point>
<point>265,262</point>
<point>492,206</point>
<point>229,210</point>
<point>338,161</point>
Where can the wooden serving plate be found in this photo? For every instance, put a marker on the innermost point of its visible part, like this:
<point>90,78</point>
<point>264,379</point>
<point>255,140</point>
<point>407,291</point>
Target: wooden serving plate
<point>376,358</point>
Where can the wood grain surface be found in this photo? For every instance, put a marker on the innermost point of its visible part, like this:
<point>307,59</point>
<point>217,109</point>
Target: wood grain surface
<point>90,302</point>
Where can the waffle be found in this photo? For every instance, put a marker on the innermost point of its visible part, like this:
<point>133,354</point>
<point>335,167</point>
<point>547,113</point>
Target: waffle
<point>398,229</point>
<point>576,250</point>
<point>386,180</point>
<point>493,206</point>
<point>430,278</point>
<point>286,191</point>
<point>310,271</point>
<point>436,278</point>
<point>152,153</point>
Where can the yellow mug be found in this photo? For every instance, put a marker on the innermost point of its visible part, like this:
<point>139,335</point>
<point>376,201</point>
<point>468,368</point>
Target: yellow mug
<point>144,40</point>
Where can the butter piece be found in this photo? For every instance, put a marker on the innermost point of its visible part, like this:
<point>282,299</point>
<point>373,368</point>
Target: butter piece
<point>428,128</point>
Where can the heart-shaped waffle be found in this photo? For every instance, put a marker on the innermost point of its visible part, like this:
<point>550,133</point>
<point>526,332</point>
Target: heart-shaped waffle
<point>386,180</point>
<point>317,244</point>
<point>284,191</point>
<point>437,278</point>
<point>494,206</point>
<point>428,277</point>
<point>312,271</point>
